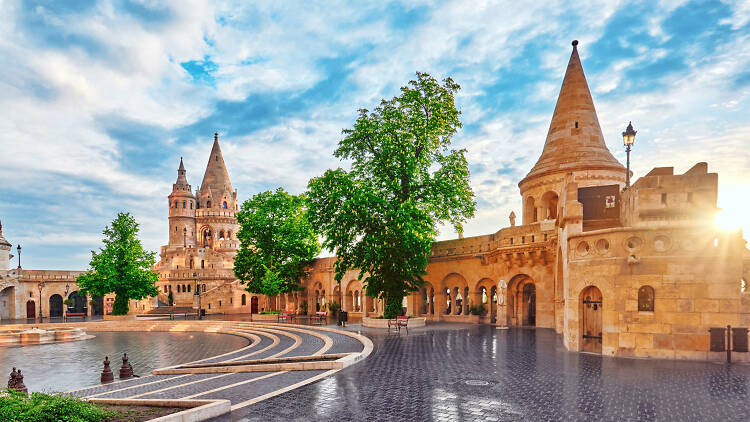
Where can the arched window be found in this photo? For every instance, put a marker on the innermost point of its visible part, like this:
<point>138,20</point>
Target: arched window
<point>646,299</point>
<point>188,288</point>
<point>221,234</point>
<point>244,300</point>
<point>175,204</point>
<point>204,288</point>
<point>530,211</point>
<point>191,205</point>
<point>184,204</point>
<point>224,205</point>
<point>203,264</point>
<point>178,288</point>
<point>229,234</point>
<point>208,204</point>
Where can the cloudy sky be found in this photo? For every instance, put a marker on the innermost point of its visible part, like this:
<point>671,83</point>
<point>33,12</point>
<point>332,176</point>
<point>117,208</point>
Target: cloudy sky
<point>100,99</point>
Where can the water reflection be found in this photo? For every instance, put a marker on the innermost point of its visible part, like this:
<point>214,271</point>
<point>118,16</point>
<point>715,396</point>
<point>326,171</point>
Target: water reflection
<point>67,366</point>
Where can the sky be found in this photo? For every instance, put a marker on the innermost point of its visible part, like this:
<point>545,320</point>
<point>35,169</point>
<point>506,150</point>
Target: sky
<point>100,99</point>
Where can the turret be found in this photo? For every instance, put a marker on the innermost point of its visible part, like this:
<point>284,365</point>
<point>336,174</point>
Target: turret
<point>5,247</point>
<point>574,151</point>
<point>182,206</point>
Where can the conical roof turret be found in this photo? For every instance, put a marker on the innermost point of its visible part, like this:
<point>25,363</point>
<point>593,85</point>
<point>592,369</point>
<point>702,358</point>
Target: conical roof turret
<point>3,242</point>
<point>574,140</point>
<point>216,185</point>
<point>182,184</point>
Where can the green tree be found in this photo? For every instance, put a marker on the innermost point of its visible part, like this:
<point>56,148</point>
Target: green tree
<point>121,267</point>
<point>381,216</point>
<point>277,243</point>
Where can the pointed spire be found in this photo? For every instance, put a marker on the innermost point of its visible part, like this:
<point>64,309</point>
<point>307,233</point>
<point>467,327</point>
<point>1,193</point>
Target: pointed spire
<point>181,183</point>
<point>3,242</point>
<point>216,184</point>
<point>575,140</point>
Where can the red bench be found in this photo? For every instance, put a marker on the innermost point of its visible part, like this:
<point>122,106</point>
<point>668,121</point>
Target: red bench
<point>320,317</point>
<point>179,312</point>
<point>400,321</point>
<point>287,316</point>
<point>74,315</point>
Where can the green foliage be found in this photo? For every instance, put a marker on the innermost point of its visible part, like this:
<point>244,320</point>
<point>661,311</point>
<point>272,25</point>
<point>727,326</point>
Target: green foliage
<point>476,309</point>
<point>303,307</point>
<point>121,266</point>
<point>277,243</point>
<point>68,302</point>
<point>333,307</point>
<point>382,216</point>
<point>16,406</point>
<point>269,312</point>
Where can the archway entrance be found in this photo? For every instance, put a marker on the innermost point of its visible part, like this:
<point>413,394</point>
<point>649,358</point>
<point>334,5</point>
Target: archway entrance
<point>528,303</point>
<point>55,306</point>
<point>30,309</point>
<point>591,320</point>
<point>78,303</point>
<point>7,303</point>
<point>254,304</point>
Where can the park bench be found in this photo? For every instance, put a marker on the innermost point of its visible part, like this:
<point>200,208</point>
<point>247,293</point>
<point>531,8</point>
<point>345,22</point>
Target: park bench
<point>287,316</point>
<point>74,315</point>
<point>400,321</point>
<point>319,317</point>
<point>179,312</point>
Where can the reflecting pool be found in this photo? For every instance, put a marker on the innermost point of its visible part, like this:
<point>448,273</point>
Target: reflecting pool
<point>67,366</point>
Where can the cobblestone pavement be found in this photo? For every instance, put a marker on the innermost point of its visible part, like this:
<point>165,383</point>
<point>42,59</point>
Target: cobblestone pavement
<point>450,372</point>
<point>275,340</point>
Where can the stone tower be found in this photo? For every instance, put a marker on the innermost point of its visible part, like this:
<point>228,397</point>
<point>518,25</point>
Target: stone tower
<point>182,206</point>
<point>574,151</point>
<point>217,202</point>
<point>4,251</point>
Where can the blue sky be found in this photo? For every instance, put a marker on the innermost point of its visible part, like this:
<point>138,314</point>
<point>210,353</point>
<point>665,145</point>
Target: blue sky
<point>100,99</point>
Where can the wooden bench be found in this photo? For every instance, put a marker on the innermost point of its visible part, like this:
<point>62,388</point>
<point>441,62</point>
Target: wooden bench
<point>179,312</point>
<point>320,317</point>
<point>400,321</point>
<point>287,316</point>
<point>74,315</point>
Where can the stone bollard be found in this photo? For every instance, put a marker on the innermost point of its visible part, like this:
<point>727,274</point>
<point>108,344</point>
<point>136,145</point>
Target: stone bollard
<point>19,383</point>
<point>12,379</point>
<point>126,371</point>
<point>107,375</point>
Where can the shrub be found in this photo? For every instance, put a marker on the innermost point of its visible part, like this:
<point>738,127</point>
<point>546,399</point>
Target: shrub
<point>17,406</point>
<point>333,307</point>
<point>476,309</point>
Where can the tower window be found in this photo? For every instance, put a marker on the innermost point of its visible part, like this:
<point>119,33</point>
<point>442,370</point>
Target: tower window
<point>175,204</point>
<point>576,125</point>
<point>224,205</point>
<point>203,264</point>
<point>208,204</point>
<point>664,198</point>
<point>217,158</point>
<point>191,205</point>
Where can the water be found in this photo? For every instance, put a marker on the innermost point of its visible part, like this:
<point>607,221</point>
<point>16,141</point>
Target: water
<point>71,365</point>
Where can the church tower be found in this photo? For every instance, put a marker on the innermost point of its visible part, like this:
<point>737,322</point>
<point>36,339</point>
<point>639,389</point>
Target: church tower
<point>217,203</point>
<point>574,151</point>
<point>182,206</point>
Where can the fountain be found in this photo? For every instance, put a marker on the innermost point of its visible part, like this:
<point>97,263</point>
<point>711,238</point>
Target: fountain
<point>26,336</point>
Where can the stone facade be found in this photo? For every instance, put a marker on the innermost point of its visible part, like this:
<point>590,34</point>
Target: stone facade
<point>622,271</point>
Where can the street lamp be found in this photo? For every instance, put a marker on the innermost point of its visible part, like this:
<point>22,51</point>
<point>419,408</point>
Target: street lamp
<point>19,256</point>
<point>40,286</point>
<point>197,295</point>
<point>628,137</point>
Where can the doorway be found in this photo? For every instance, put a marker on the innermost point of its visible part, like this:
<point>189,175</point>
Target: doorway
<point>591,320</point>
<point>55,306</point>
<point>254,304</point>
<point>30,309</point>
<point>528,299</point>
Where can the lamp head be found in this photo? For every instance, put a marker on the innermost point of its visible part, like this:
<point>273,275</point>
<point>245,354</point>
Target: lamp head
<point>628,137</point>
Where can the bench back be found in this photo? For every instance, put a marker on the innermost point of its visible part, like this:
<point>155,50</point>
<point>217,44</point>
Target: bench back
<point>402,317</point>
<point>180,312</point>
<point>75,313</point>
<point>321,313</point>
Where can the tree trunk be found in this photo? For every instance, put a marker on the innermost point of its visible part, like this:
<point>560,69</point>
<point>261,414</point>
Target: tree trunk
<point>393,306</point>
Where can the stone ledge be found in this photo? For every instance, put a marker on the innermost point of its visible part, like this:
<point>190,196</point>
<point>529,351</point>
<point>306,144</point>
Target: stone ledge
<point>196,410</point>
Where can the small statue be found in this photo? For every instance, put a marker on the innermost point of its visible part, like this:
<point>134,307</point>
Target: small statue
<point>12,379</point>
<point>126,371</point>
<point>107,375</point>
<point>19,383</point>
<point>512,219</point>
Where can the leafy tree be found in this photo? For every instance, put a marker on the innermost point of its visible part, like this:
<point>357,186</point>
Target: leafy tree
<point>382,216</point>
<point>277,243</point>
<point>121,266</point>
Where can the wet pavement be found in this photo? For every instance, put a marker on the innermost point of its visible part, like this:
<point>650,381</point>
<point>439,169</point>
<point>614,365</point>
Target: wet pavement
<point>69,365</point>
<point>477,373</point>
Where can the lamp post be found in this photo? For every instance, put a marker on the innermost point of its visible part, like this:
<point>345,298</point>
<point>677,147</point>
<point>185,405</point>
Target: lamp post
<point>40,286</point>
<point>197,295</point>
<point>19,256</point>
<point>628,137</point>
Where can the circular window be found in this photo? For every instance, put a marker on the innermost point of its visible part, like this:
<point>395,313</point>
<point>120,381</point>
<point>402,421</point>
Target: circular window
<point>583,248</point>
<point>662,243</point>
<point>633,243</point>
<point>602,245</point>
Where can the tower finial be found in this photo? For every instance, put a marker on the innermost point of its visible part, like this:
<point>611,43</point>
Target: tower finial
<point>575,43</point>
<point>216,136</point>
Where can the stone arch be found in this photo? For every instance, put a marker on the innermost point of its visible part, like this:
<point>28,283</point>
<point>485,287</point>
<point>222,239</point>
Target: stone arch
<point>7,302</point>
<point>529,210</point>
<point>55,306</point>
<point>78,302</point>
<point>353,300</point>
<point>521,301</point>
<point>549,205</point>
<point>486,296</point>
<point>206,236</point>
<point>426,296</point>
<point>454,289</point>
